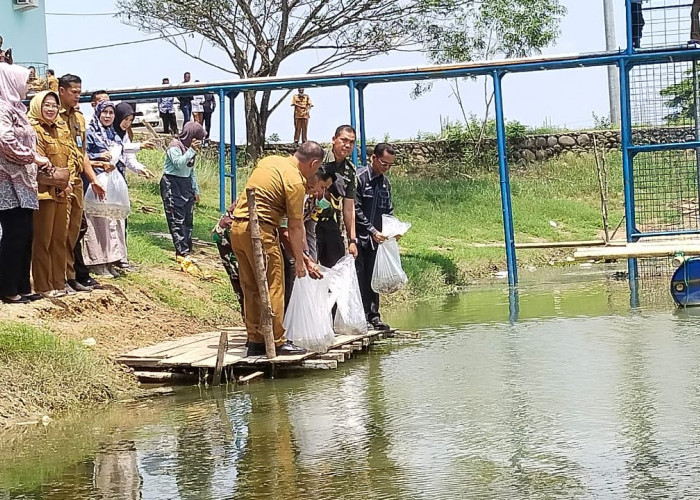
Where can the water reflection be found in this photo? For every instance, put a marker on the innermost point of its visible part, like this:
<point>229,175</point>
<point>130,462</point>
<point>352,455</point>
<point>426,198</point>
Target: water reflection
<point>556,391</point>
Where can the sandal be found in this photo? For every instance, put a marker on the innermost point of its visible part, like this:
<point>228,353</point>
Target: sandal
<point>10,300</point>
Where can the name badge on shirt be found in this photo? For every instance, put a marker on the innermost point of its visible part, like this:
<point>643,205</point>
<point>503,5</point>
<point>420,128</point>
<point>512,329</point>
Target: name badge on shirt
<point>79,141</point>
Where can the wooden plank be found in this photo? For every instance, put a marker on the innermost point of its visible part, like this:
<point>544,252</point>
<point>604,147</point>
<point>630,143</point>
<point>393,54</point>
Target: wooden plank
<point>333,356</point>
<point>312,364</point>
<point>250,378</point>
<point>139,362</point>
<point>187,358</point>
<point>219,365</point>
<point>232,356</point>
<point>157,349</point>
<point>281,360</point>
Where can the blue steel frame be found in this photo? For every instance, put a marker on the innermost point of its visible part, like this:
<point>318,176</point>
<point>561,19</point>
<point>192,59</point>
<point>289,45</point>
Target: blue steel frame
<point>357,81</point>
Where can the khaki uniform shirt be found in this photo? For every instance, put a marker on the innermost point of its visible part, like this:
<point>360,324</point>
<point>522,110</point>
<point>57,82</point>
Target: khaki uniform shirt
<point>74,122</point>
<point>55,143</point>
<point>305,102</point>
<point>279,191</point>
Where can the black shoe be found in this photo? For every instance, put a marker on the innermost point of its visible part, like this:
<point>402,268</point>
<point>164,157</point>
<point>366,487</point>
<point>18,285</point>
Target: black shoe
<point>289,349</point>
<point>21,300</point>
<point>31,297</point>
<point>380,325</point>
<point>91,282</point>
<point>256,349</point>
<point>79,287</point>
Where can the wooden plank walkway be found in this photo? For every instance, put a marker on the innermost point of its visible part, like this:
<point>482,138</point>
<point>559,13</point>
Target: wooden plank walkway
<point>198,352</point>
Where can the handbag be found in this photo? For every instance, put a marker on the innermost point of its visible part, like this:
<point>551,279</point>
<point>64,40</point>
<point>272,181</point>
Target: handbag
<point>58,179</point>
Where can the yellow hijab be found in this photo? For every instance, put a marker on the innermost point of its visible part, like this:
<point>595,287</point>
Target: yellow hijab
<point>35,115</point>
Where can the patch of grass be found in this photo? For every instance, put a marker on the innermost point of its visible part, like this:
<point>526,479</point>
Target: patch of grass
<point>44,374</point>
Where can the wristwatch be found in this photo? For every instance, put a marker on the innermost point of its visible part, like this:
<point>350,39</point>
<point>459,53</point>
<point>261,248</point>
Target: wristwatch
<point>352,240</point>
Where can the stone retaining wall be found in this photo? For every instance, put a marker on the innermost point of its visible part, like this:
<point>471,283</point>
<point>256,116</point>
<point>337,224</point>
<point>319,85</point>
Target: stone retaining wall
<point>526,149</point>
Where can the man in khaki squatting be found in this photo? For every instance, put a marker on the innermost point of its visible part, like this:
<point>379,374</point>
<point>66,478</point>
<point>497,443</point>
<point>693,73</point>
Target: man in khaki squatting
<point>280,186</point>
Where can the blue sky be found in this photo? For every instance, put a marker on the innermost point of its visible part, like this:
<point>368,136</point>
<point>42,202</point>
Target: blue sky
<point>560,98</point>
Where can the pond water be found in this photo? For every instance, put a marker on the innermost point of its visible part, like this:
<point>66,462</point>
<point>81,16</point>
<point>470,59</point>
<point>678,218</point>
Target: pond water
<point>565,391</point>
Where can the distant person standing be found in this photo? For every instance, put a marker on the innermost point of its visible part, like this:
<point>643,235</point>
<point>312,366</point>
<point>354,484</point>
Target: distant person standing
<point>302,104</point>
<point>198,107</point>
<point>51,80</point>
<point>695,22</point>
<point>166,109</point>
<point>637,22</point>
<point>209,107</point>
<point>186,101</point>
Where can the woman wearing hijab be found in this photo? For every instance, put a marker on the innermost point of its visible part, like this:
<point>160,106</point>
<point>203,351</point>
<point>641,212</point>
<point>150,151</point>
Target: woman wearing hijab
<point>49,246</point>
<point>179,189</point>
<point>105,240</point>
<point>124,117</point>
<point>18,186</point>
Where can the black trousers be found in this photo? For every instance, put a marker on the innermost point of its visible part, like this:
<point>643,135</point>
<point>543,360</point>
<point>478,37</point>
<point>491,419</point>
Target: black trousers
<point>637,24</point>
<point>81,271</point>
<point>169,123</point>
<point>329,242</point>
<point>289,275</point>
<point>178,201</point>
<point>365,265</point>
<point>207,122</point>
<point>16,251</point>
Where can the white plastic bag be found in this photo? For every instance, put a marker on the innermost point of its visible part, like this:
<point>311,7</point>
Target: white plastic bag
<point>115,204</point>
<point>308,318</point>
<point>345,292</point>
<point>388,275</point>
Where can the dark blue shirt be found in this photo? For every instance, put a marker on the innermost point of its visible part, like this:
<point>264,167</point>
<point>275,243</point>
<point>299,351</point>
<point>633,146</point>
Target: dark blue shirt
<point>372,201</point>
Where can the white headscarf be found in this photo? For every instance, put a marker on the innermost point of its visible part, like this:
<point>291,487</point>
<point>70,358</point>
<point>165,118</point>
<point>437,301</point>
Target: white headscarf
<point>13,85</point>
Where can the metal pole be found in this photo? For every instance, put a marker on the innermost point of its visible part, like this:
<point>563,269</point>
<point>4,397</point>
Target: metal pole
<point>696,116</point>
<point>613,81</point>
<point>353,118</point>
<point>627,164</point>
<point>234,152</point>
<point>363,133</point>
<point>506,201</point>
<point>222,150</point>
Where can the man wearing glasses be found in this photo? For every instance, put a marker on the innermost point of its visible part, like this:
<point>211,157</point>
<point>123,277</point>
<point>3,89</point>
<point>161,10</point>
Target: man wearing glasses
<point>341,197</point>
<point>373,200</point>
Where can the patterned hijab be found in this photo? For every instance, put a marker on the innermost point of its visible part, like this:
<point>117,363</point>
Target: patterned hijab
<point>13,85</point>
<point>102,134</point>
<point>35,115</point>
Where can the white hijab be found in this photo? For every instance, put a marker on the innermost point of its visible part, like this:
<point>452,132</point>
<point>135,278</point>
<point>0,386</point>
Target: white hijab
<point>13,85</point>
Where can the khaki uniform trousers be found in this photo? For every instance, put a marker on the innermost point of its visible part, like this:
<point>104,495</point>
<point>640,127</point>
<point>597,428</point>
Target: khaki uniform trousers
<point>75,219</point>
<point>49,251</point>
<point>301,126</point>
<point>243,248</point>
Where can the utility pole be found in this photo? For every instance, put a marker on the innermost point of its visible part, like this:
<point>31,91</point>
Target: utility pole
<point>613,77</point>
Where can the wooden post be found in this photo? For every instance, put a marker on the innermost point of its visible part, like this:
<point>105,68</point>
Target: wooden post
<point>602,187</point>
<point>223,346</point>
<point>260,275</point>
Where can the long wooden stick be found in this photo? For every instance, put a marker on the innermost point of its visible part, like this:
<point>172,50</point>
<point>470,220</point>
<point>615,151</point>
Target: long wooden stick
<point>220,353</point>
<point>602,187</point>
<point>260,275</point>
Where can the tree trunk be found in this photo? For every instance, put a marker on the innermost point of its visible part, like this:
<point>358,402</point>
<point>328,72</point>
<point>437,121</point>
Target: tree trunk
<point>255,128</point>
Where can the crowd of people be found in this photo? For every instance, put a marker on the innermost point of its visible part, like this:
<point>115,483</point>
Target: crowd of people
<point>52,164</point>
<point>304,202</point>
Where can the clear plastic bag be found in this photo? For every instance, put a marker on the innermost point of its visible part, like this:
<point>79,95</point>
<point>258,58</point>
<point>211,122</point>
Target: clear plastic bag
<point>345,292</point>
<point>115,204</point>
<point>388,275</point>
<point>308,318</point>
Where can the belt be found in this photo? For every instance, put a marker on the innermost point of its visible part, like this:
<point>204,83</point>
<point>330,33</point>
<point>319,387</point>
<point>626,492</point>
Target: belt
<point>239,219</point>
<point>261,222</point>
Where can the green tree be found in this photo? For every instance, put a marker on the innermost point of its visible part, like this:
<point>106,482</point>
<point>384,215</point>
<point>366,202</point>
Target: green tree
<point>487,30</point>
<point>681,101</point>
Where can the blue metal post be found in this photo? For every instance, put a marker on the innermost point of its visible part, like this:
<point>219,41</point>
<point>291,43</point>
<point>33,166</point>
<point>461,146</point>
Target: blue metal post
<point>353,118</point>
<point>627,162</point>
<point>363,132</point>
<point>222,150</point>
<point>628,24</point>
<point>506,201</point>
<point>234,153</point>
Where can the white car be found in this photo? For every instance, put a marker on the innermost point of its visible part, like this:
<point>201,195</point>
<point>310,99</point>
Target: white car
<point>149,113</point>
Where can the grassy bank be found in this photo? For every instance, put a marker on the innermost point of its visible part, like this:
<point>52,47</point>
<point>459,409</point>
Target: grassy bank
<point>42,373</point>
